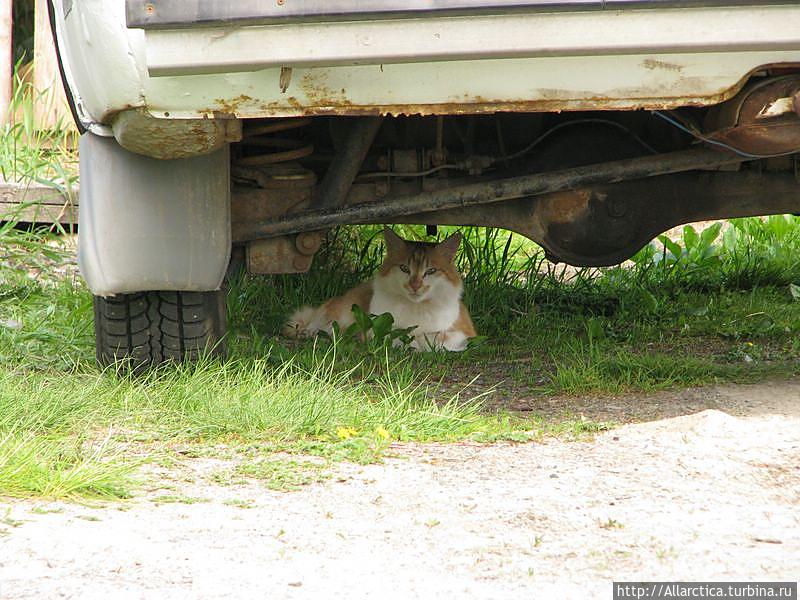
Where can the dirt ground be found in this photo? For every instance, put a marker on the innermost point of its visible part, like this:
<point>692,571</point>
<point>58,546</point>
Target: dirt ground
<point>699,485</point>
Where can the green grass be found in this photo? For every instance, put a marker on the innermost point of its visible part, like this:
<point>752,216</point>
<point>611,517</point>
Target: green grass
<point>30,153</point>
<point>82,433</point>
<point>705,308</point>
<point>69,430</point>
<point>281,475</point>
<point>719,307</point>
<point>667,320</point>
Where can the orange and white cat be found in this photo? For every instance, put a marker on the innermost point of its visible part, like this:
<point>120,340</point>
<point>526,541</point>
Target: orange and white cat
<point>418,284</point>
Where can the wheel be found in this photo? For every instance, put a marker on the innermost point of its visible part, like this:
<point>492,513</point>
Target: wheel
<point>145,329</point>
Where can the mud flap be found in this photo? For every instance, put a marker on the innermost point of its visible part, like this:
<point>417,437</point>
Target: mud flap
<point>148,224</point>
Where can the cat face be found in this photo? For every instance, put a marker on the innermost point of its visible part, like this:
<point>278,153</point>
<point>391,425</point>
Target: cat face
<point>419,269</point>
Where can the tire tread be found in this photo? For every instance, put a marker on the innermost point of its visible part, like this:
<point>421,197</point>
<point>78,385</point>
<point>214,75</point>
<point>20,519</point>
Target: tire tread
<point>142,330</point>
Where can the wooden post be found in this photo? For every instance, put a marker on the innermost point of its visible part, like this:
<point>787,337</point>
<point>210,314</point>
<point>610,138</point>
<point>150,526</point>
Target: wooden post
<point>51,102</point>
<point>6,57</point>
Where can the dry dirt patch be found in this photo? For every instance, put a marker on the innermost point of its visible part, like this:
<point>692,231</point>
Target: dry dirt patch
<point>704,485</point>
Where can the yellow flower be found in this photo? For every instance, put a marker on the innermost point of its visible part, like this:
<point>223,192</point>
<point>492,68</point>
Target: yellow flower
<point>345,433</point>
<point>382,433</point>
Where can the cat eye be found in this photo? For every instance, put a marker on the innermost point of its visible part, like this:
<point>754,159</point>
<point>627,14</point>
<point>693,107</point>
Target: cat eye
<point>405,269</point>
<point>430,271</point>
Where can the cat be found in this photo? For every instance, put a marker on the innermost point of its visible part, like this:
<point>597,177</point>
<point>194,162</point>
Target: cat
<point>418,284</point>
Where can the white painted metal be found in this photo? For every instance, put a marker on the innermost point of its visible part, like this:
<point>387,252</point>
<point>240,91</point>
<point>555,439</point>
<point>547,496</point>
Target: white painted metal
<point>547,61</point>
<point>103,60</point>
<point>549,84</point>
<point>591,33</point>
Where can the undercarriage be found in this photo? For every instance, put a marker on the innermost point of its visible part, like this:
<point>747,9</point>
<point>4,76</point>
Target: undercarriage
<point>590,187</point>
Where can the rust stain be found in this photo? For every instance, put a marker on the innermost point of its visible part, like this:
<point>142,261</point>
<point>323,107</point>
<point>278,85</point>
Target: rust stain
<point>285,79</point>
<point>315,87</point>
<point>320,100</point>
<point>232,105</point>
<point>317,98</point>
<point>653,64</point>
<point>293,107</point>
<point>276,255</point>
<point>139,131</point>
<point>564,207</point>
<point>322,103</point>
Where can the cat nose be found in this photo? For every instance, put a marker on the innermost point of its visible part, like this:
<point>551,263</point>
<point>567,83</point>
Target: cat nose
<point>415,284</point>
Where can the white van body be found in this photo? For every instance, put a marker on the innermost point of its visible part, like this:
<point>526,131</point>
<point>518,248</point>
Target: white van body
<point>511,56</point>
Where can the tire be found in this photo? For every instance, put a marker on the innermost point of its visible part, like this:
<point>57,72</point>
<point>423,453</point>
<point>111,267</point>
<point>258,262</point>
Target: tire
<point>145,329</point>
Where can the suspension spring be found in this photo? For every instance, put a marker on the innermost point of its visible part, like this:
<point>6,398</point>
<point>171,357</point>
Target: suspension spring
<point>262,147</point>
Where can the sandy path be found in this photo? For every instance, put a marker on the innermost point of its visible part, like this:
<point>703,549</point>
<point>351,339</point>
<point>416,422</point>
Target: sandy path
<point>703,496</point>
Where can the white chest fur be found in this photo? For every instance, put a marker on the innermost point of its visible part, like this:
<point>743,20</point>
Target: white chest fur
<point>435,314</point>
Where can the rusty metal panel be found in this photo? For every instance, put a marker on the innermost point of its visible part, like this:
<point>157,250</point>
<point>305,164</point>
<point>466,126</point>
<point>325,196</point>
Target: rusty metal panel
<point>469,87</point>
<point>268,192</point>
<point>136,130</point>
<point>606,224</point>
<point>285,254</point>
<point>745,122</point>
<point>576,61</point>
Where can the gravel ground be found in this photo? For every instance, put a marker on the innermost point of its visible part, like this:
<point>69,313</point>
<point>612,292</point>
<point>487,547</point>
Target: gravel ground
<point>700,485</point>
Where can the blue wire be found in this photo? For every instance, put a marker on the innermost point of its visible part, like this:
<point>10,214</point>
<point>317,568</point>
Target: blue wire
<point>703,138</point>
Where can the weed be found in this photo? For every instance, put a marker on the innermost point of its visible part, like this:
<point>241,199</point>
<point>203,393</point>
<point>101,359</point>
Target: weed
<point>31,153</point>
<point>373,333</point>
<point>44,510</point>
<point>178,499</point>
<point>664,554</point>
<point>431,523</point>
<point>91,518</point>
<point>610,524</point>
<point>284,475</point>
<point>7,520</point>
<point>239,503</point>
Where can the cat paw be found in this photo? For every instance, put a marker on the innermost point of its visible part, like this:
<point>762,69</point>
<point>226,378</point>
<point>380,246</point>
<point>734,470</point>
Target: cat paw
<point>455,341</point>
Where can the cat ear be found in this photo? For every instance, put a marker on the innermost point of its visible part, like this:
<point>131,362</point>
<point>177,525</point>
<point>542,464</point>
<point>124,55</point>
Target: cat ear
<point>449,247</point>
<point>394,243</point>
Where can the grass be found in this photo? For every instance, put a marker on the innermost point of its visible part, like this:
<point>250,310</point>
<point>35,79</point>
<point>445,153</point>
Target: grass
<point>27,151</point>
<point>72,431</point>
<point>178,499</point>
<point>694,311</point>
<point>281,475</point>
<point>707,307</point>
